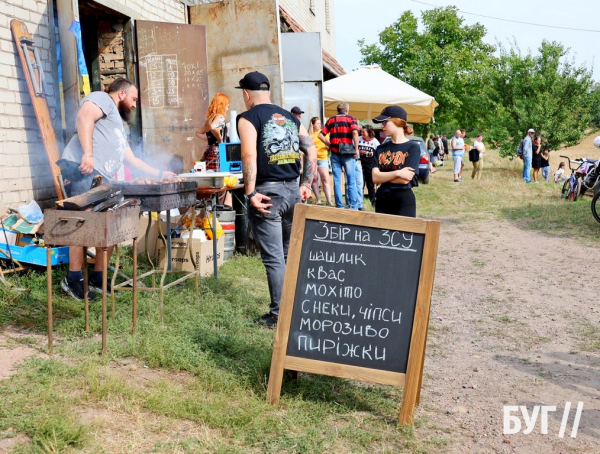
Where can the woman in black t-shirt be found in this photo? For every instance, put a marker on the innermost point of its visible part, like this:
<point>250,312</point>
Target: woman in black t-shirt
<point>394,165</point>
<point>536,161</point>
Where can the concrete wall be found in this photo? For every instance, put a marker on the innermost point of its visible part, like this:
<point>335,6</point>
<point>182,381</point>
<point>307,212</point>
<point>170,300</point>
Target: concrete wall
<point>24,170</point>
<point>314,19</point>
<point>236,45</point>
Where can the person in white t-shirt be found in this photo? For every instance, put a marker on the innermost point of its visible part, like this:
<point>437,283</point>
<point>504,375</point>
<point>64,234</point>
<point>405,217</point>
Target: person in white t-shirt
<point>367,143</point>
<point>559,175</point>
<point>478,165</point>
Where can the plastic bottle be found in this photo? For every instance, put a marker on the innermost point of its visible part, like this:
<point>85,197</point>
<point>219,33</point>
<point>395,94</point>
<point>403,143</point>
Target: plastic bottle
<point>233,134</point>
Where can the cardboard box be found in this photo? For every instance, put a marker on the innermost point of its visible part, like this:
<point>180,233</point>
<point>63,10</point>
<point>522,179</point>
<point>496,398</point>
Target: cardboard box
<point>202,252</point>
<point>153,241</point>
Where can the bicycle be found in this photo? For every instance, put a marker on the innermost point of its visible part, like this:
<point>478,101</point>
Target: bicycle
<point>596,206</point>
<point>571,188</point>
<point>590,180</point>
<point>584,177</point>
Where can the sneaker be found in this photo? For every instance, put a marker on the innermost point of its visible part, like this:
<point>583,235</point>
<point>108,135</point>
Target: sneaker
<point>361,209</point>
<point>267,320</point>
<point>96,286</point>
<point>75,289</point>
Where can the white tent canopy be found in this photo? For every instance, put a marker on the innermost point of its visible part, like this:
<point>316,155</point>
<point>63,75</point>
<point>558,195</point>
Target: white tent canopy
<point>370,89</point>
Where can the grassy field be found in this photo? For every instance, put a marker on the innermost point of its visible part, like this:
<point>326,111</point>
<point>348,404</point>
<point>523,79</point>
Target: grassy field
<point>199,383</point>
<point>501,194</point>
<point>196,385</point>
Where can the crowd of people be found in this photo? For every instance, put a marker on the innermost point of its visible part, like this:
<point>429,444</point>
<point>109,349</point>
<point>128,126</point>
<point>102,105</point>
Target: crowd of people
<point>536,159</point>
<point>283,164</point>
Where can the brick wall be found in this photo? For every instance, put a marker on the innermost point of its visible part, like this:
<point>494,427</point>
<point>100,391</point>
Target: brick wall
<point>159,10</point>
<point>314,20</point>
<point>163,10</point>
<point>112,57</point>
<point>24,171</point>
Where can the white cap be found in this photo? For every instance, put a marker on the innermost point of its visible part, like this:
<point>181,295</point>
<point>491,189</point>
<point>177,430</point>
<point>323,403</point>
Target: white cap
<point>531,130</point>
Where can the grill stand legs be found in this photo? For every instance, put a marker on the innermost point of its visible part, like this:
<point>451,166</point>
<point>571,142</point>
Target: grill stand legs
<point>86,299</point>
<point>164,270</point>
<point>49,282</point>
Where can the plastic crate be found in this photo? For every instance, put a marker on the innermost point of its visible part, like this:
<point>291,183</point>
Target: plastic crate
<point>35,255</point>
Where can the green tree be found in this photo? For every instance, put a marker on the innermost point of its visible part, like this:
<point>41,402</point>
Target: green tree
<point>595,111</point>
<point>546,91</point>
<point>446,60</point>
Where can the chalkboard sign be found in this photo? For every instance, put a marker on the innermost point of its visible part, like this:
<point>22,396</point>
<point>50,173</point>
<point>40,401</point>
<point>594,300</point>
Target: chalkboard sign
<point>173,78</point>
<point>356,298</point>
<point>355,295</point>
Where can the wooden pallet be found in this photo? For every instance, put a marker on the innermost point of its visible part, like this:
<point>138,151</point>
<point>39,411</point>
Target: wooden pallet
<point>34,75</point>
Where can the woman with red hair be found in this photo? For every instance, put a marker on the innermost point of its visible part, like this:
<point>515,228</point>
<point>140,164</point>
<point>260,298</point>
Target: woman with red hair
<point>215,130</point>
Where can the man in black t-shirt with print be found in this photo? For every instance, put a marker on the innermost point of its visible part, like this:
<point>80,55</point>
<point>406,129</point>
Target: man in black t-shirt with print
<point>272,140</point>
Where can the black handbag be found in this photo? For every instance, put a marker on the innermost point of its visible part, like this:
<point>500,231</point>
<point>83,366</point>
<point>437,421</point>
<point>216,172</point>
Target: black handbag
<point>473,155</point>
<point>345,149</point>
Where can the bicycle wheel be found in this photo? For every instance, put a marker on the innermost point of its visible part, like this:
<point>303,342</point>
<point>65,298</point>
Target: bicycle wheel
<point>596,206</point>
<point>575,192</point>
<point>564,193</point>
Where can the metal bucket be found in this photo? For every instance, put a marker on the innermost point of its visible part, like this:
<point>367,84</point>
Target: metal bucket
<point>227,221</point>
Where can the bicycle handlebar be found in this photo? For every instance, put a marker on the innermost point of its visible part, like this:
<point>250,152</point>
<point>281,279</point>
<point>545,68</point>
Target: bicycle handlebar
<point>569,160</point>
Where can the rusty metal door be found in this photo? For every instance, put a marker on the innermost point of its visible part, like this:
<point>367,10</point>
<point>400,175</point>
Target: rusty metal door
<point>173,79</point>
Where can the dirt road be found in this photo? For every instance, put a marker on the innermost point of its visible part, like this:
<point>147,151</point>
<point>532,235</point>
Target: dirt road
<point>509,315</point>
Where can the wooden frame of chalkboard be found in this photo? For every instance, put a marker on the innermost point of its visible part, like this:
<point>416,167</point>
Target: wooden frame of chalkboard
<point>356,299</point>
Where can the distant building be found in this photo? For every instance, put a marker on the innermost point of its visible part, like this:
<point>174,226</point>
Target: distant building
<point>314,16</point>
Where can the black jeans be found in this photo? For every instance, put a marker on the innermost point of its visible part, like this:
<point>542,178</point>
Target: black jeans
<point>272,233</point>
<point>400,202</point>
<point>367,168</point>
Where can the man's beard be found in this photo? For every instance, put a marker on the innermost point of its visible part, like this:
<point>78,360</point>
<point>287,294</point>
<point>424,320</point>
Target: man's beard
<point>124,112</point>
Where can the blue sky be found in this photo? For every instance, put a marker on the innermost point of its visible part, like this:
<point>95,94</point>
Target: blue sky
<point>357,19</point>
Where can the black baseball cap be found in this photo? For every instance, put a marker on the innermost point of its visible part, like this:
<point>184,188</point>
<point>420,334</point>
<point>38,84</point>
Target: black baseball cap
<point>255,81</point>
<point>296,110</point>
<point>391,112</point>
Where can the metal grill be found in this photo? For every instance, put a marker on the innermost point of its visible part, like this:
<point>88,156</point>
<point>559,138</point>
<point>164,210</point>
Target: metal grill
<point>167,201</point>
<point>87,228</point>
